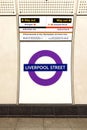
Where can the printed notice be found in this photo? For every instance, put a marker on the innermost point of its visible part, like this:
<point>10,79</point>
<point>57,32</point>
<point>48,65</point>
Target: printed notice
<point>45,28</point>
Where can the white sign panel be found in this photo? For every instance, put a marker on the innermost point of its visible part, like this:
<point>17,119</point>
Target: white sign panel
<point>45,28</point>
<point>45,59</point>
<point>45,72</point>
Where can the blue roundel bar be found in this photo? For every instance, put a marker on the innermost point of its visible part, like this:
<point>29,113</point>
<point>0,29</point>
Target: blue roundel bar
<point>45,67</point>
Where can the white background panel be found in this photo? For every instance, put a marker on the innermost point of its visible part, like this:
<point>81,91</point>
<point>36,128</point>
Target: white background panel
<point>80,61</point>
<point>7,7</point>
<point>46,6</point>
<point>59,92</point>
<point>8,60</point>
<point>82,7</point>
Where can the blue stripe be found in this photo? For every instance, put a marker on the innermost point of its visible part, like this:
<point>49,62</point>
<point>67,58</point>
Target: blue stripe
<point>45,67</point>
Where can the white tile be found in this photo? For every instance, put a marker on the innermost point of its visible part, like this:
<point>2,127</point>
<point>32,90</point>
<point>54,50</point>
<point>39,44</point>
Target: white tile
<point>30,122</point>
<point>56,123</point>
<point>78,123</point>
<point>8,122</point>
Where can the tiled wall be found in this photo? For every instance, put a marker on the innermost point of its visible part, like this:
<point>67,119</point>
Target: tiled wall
<point>9,51</point>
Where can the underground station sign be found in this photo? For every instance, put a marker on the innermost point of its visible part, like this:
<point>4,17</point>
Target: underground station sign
<point>31,67</point>
<point>45,59</point>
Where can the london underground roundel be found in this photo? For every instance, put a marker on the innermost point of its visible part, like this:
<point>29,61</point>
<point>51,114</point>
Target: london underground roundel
<point>59,67</point>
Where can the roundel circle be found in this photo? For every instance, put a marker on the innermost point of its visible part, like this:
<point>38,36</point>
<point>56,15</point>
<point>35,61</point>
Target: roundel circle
<point>55,77</point>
